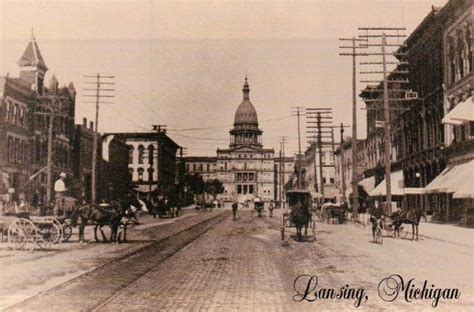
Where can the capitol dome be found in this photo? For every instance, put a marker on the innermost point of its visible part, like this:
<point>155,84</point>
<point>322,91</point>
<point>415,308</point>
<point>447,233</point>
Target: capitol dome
<point>246,113</point>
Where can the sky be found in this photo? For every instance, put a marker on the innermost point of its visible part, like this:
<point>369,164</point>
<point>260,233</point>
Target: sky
<point>182,63</point>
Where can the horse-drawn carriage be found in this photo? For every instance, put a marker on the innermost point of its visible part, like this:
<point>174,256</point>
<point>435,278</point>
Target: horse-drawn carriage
<point>333,213</point>
<point>300,213</point>
<point>24,232</point>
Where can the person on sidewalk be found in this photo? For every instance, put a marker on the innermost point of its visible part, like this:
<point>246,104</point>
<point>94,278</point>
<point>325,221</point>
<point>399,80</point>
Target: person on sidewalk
<point>60,191</point>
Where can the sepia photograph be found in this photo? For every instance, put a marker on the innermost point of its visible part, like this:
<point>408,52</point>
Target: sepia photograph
<point>236,155</point>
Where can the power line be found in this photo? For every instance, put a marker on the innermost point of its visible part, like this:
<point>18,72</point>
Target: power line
<point>220,127</point>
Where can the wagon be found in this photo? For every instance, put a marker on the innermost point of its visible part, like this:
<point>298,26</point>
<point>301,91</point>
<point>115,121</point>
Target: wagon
<point>304,198</point>
<point>24,232</point>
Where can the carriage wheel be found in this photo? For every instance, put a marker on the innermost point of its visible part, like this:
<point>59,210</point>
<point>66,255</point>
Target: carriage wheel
<point>67,232</point>
<point>22,234</point>
<point>61,229</point>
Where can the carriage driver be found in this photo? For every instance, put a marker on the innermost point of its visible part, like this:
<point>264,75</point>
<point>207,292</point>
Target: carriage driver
<point>60,190</point>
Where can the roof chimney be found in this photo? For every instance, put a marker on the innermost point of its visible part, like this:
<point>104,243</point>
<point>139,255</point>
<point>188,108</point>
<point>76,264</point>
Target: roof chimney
<point>84,122</point>
<point>91,125</point>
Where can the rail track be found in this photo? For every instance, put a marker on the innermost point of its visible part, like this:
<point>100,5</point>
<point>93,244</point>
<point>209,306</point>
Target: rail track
<point>92,290</point>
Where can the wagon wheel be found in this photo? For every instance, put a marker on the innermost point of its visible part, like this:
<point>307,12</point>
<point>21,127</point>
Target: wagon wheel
<point>67,232</point>
<point>60,226</point>
<point>22,234</point>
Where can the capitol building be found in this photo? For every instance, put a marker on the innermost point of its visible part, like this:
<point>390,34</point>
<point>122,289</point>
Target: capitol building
<point>246,169</point>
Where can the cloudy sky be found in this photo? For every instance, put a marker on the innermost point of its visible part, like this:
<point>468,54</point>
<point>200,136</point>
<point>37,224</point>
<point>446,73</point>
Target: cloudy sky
<point>182,63</point>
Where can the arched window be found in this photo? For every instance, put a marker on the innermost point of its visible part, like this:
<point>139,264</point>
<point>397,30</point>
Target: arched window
<point>130,174</point>
<point>141,151</point>
<point>140,174</point>
<point>151,150</point>
<point>150,174</point>
<point>131,149</point>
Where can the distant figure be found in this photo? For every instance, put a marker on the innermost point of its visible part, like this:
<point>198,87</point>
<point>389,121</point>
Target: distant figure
<point>60,190</point>
<point>271,206</point>
<point>235,206</point>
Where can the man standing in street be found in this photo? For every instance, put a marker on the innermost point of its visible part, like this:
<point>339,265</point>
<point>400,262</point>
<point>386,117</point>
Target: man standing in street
<point>60,190</point>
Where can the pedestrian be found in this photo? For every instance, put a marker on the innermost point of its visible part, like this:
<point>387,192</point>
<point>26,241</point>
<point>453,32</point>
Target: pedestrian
<point>60,190</point>
<point>235,206</point>
<point>271,206</point>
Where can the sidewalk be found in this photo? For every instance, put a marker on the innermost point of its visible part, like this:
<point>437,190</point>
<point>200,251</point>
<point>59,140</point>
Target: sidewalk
<point>441,232</point>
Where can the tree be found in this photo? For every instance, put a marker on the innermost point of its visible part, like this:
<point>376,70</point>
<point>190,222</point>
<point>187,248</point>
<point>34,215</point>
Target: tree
<point>214,187</point>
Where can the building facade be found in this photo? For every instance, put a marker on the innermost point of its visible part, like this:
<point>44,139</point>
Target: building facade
<point>246,169</point>
<point>152,161</point>
<point>26,109</point>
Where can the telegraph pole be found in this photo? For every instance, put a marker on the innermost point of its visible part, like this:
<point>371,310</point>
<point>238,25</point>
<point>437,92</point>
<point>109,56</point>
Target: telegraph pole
<point>160,129</point>
<point>320,133</point>
<point>282,167</point>
<point>383,33</point>
<point>343,173</point>
<point>354,45</point>
<point>298,111</point>
<point>53,109</point>
<point>99,93</point>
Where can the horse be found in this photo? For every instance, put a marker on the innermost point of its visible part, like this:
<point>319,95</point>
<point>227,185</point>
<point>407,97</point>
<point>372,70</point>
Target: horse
<point>410,216</point>
<point>300,216</point>
<point>99,216</point>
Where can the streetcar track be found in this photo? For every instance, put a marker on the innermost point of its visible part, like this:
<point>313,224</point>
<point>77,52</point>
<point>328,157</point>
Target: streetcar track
<point>183,237</point>
<point>132,283</point>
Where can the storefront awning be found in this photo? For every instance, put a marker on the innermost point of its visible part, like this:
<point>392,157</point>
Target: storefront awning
<point>396,179</point>
<point>368,184</point>
<point>143,188</point>
<point>461,113</point>
<point>455,178</point>
<point>414,190</point>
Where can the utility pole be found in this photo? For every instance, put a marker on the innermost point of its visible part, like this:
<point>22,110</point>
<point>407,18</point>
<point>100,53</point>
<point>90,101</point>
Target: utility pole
<point>52,109</point>
<point>159,129</point>
<point>353,48</point>
<point>320,133</point>
<point>282,167</point>
<point>318,118</point>
<point>343,173</point>
<point>100,92</point>
<point>401,70</point>
<point>298,112</point>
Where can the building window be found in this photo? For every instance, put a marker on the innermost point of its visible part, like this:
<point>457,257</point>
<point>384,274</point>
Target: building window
<point>130,154</point>
<point>331,180</point>
<point>250,189</point>
<point>239,189</point>
<point>324,180</point>
<point>245,189</point>
<point>151,152</point>
<point>194,167</point>
<point>140,174</point>
<point>187,167</point>
<point>208,167</point>
<point>150,174</point>
<point>225,165</point>
<point>141,151</point>
<point>130,174</point>
<point>200,167</point>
